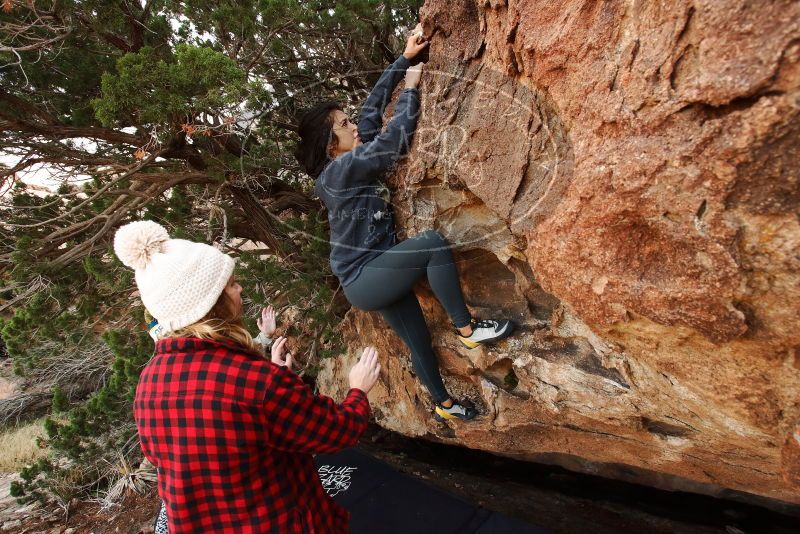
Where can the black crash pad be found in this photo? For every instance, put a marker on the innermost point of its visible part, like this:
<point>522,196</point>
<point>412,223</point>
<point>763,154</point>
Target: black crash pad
<point>381,499</point>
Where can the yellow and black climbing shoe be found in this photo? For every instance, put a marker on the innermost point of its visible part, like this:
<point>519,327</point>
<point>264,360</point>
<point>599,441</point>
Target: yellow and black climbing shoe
<point>456,411</point>
<point>487,331</point>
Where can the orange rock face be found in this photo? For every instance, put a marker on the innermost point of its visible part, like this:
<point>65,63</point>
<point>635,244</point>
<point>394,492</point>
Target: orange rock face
<point>621,178</point>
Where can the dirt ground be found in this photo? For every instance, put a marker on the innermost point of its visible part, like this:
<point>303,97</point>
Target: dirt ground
<point>134,515</point>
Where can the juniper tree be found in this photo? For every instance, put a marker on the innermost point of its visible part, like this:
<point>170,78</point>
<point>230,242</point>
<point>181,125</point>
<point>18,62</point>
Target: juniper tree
<point>180,112</point>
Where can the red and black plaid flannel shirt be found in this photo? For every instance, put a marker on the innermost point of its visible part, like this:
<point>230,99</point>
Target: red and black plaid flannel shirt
<point>232,436</point>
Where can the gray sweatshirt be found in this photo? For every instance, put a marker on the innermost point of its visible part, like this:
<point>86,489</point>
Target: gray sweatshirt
<point>351,186</point>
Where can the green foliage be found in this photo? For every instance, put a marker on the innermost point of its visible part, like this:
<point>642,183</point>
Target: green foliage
<point>150,87</point>
<point>60,400</point>
<point>65,318</point>
<point>30,487</point>
<point>307,295</point>
<point>94,432</point>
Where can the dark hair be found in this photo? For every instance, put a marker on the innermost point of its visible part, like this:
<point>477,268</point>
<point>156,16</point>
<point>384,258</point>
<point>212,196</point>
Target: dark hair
<point>316,134</point>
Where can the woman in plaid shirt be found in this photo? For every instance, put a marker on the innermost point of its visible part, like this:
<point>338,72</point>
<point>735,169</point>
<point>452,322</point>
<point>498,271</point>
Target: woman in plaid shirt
<point>231,434</point>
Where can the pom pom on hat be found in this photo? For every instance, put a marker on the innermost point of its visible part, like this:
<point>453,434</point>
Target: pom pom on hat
<point>137,242</point>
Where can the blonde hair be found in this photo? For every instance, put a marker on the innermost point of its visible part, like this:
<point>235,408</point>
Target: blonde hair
<point>220,324</point>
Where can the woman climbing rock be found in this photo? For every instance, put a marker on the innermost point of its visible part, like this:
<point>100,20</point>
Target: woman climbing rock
<point>231,433</point>
<point>376,271</point>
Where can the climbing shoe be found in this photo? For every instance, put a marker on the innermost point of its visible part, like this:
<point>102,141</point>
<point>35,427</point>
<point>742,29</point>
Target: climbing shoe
<point>487,331</point>
<point>456,411</point>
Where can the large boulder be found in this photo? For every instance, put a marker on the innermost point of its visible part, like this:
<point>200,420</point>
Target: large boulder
<point>621,178</point>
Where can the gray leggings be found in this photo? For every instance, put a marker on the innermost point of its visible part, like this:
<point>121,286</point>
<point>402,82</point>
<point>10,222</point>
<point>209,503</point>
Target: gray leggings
<point>386,284</point>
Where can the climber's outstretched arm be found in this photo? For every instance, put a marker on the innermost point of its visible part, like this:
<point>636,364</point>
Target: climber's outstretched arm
<point>370,119</point>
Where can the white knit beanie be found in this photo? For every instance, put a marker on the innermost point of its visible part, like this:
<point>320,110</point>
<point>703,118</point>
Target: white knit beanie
<point>179,281</point>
